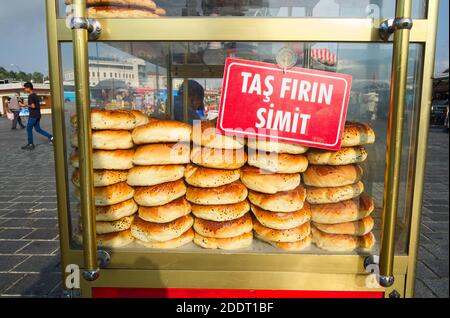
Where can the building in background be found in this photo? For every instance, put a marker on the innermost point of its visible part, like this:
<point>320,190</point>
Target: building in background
<point>42,90</point>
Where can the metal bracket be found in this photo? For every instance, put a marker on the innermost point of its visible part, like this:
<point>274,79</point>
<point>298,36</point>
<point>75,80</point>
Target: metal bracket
<point>93,26</point>
<point>371,264</point>
<point>103,258</point>
<point>388,27</point>
<point>394,294</point>
<point>90,276</point>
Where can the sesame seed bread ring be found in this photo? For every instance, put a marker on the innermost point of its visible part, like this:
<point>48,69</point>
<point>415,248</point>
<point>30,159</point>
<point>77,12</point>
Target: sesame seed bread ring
<point>122,224</point>
<point>202,177</point>
<point>296,246</point>
<point>104,12</point>
<point>167,212</point>
<point>342,242</point>
<point>141,118</point>
<point>102,178</point>
<point>220,213</point>
<point>229,243</point>
<point>333,194</point>
<point>219,158</point>
<point>262,181</point>
<point>111,194</point>
<point>161,232</point>
<point>109,120</point>
<point>205,134</point>
<point>344,156</point>
<point>159,194</point>
<point>115,240</point>
<point>227,194</point>
<point>291,235</point>
<point>278,163</point>
<point>357,228</point>
<point>224,229</point>
<point>162,154</point>
<point>274,146</point>
<point>116,211</point>
<point>108,159</point>
<point>332,176</point>
<point>356,134</point>
<point>107,139</point>
<point>280,220</point>
<point>286,201</point>
<point>157,131</point>
<point>344,211</point>
<point>147,4</point>
<point>179,241</point>
<point>151,175</point>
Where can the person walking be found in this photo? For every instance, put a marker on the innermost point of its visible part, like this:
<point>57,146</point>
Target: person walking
<point>13,107</point>
<point>34,105</point>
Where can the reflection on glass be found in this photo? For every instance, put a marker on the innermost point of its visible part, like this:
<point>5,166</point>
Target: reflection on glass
<point>153,77</point>
<point>374,9</point>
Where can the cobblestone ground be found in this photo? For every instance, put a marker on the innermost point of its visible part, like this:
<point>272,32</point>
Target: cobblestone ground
<point>29,254</point>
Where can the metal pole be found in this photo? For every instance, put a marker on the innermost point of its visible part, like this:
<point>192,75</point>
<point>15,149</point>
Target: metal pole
<point>421,144</point>
<point>394,145</point>
<point>59,133</point>
<point>81,63</point>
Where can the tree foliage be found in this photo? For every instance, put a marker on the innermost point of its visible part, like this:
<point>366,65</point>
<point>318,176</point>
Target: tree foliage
<point>36,77</point>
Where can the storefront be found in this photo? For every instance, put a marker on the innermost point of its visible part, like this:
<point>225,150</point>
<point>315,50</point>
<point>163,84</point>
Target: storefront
<point>179,49</point>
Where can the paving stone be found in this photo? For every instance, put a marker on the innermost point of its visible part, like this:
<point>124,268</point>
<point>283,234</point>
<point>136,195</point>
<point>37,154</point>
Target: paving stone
<point>438,217</point>
<point>437,227</point>
<point>438,238</point>
<point>440,251</point>
<point>7,262</point>
<point>57,292</point>
<point>46,214</point>
<point>40,247</point>
<point>44,223</point>
<point>12,246</point>
<point>26,199</point>
<point>14,233</point>
<point>42,234</point>
<point>423,271</point>
<point>425,254</point>
<point>35,284</point>
<point>8,279</point>
<point>22,206</point>
<point>45,206</point>
<point>440,267</point>
<point>39,263</point>
<point>5,205</point>
<point>17,223</point>
<point>438,286</point>
<point>20,214</point>
<point>422,290</point>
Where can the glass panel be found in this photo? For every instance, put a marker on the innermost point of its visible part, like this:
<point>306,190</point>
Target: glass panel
<point>251,8</point>
<point>152,77</point>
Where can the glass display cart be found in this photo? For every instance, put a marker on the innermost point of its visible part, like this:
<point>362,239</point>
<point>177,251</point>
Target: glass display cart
<point>148,63</point>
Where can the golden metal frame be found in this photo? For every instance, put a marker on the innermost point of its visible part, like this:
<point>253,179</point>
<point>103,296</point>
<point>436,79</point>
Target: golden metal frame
<point>81,64</point>
<point>235,270</point>
<point>243,29</point>
<point>399,74</point>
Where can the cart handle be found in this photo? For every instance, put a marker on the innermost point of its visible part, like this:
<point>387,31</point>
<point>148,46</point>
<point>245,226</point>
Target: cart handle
<point>80,54</point>
<point>394,141</point>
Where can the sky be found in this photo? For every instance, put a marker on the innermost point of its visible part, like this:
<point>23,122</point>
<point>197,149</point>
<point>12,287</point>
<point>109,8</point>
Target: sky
<point>23,36</point>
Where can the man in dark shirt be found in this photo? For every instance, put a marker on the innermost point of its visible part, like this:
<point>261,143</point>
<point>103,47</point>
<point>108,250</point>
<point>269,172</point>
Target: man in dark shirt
<point>34,105</point>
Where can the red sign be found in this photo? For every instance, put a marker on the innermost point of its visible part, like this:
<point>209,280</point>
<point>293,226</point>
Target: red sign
<point>302,106</point>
